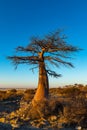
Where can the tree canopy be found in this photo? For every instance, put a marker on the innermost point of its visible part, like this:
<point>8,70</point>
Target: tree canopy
<point>54,49</point>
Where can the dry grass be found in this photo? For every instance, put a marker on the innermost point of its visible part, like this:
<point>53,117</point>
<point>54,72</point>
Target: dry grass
<point>44,109</point>
<point>72,103</point>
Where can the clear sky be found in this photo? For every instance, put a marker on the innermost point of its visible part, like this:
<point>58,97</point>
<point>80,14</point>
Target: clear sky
<point>21,19</point>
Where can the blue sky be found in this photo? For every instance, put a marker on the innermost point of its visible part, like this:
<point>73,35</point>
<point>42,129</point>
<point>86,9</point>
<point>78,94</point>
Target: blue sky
<point>21,19</point>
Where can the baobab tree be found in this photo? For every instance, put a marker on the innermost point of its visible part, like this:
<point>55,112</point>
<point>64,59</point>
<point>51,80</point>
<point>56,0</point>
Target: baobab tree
<point>43,53</point>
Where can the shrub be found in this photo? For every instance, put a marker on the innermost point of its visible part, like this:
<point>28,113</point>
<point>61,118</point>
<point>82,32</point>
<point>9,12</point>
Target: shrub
<point>30,91</point>
<point>44,109</point>
<point>2,95</point>
<point>27,97</point>
<point>71,91</point>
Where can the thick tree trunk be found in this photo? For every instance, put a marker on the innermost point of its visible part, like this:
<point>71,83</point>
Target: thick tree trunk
<point>43,84</point>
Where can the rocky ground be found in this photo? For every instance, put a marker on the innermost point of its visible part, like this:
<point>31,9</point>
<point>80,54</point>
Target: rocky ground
<point>68,110</point>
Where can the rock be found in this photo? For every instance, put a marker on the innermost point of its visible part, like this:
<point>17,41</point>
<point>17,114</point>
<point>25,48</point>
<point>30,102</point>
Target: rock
<point>14,121</point>
<point>15,125</point>
<point>12,115</point>
<point>40,123</point>
<point>78,128</point>
<point>33,113</point>
<point>34,123</point>
<point>26,119</point>
<point>53,118</point>
<point>2,120</point>
<point>43,124</point>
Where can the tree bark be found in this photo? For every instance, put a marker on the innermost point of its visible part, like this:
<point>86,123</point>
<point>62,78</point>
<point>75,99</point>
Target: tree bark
<point>43,84</point>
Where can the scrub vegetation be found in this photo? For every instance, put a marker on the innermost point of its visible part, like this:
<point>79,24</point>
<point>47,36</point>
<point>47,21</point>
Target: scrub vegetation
<point>67,106</point>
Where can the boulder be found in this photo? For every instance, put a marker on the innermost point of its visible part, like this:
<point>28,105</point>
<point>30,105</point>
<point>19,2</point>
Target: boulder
<point>53,118</point>
<point>2,119</point>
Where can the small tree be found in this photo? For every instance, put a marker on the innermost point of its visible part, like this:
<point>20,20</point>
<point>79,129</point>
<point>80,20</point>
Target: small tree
<point>50,50</point>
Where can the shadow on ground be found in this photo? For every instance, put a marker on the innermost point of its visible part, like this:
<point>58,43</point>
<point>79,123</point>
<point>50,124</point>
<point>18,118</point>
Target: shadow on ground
<point>10,104</point>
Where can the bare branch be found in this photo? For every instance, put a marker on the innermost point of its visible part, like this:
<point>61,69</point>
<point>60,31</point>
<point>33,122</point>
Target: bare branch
<point>26,49</point>
<point>33,68</point>
<point>63,62</point>
<point>23,58</point>
<point>62,55</point>
<point>55,61</point>
<point>53,49</point>
<point>53,73</point>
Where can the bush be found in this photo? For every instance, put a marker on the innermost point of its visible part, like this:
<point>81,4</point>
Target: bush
<point>27,97</point>
<point>9,95</point>
<point>44,109</point>
<point>2,95</point>
<point>30,91</point>
<point>71,91</point>
<point>76,109</point>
